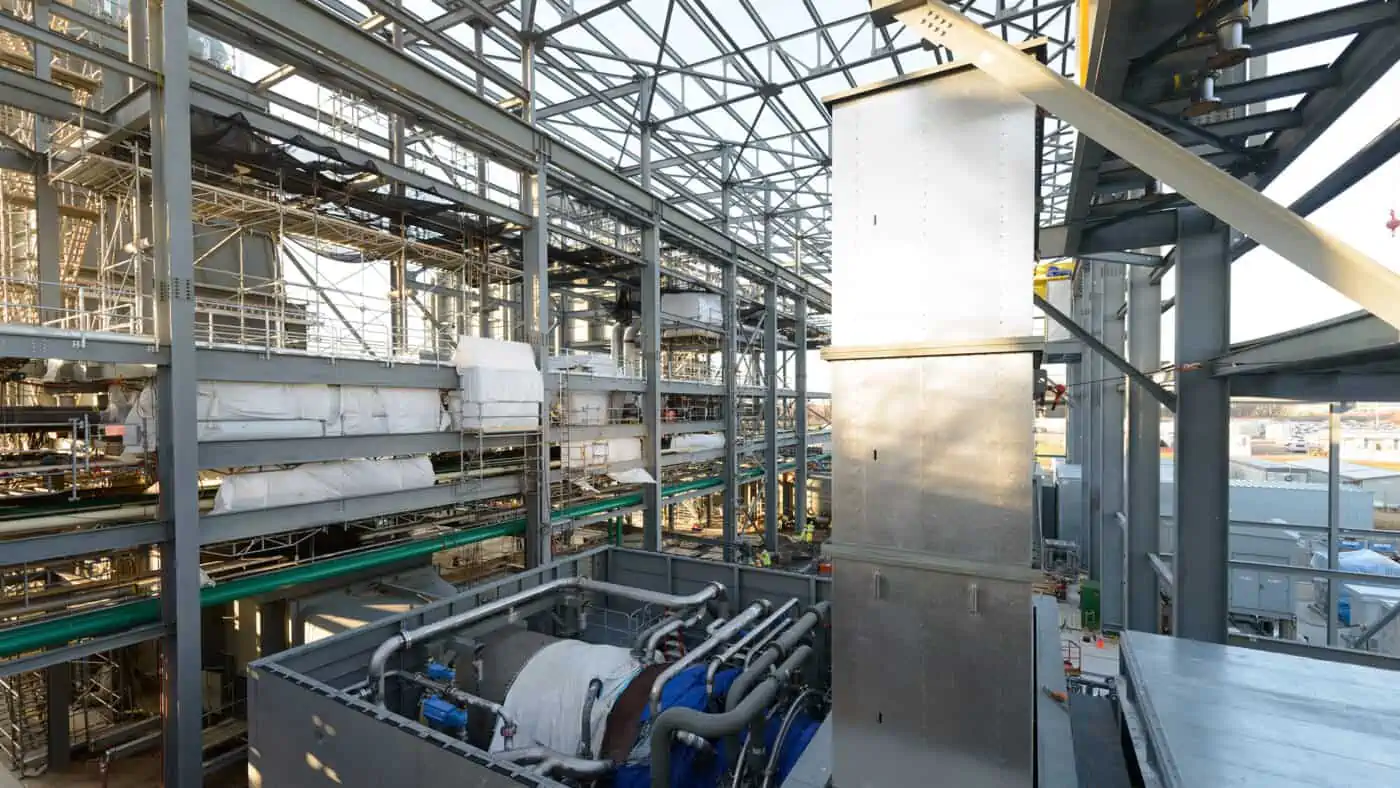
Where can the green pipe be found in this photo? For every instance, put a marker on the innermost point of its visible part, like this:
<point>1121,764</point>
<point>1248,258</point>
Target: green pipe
<point>118,618</point>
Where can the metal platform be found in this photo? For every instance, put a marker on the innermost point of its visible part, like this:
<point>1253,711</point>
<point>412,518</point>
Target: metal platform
<point>1226,715</point>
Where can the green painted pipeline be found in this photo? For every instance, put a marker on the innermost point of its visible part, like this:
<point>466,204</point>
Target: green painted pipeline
<point>120,618</point>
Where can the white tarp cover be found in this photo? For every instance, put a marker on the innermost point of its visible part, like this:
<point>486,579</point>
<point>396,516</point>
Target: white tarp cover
<point>254,411</point>
<point>1364,561</point>
<point>321,481</point>
<point>632,476</point>
<point>584,363</point>
<point>546,700</point>
<point>600,453</point>
<point>701,307</point>
<point>587,408</point>
<point>697,441</point>
<point>500,386</point>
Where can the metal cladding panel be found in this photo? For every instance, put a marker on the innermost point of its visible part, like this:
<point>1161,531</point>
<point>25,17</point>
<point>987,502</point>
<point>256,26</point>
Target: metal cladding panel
<point>933,238</point>
<point>933,235</point>
<point>938,693</point>
<point>934,455</point>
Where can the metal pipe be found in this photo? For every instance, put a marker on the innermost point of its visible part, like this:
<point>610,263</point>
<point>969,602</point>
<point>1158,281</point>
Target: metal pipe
<point>671,627</point>
<point>1370,632</point>
<point>724,633</point>
<point>772,767</point>
<point>380,660</point>
<point>749,637</point>
<point>550,762</point>
<point>458,695</point>
<point>783,644</point>
<point>763,641</point>
<point>585,743</point>
<point>724,724</point>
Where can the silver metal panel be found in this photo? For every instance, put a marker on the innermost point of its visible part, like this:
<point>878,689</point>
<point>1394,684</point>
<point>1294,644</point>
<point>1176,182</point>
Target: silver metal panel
<point>921,687</point>
<point>932,648</point>
<point>1227,715</point>
<point>934,455</point>
<point>933,188</point>
<point>1054,752</point>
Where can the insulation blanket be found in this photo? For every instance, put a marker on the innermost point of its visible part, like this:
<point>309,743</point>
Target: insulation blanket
<point>697,441</point>
<point>491,416</point>
<point>483,353</point>
<point>546,701</point>
<point>587,408</point>
<point>321,481</point>
<point>584,363</point>
<point>600,453</point>
<point>255,411</point>
<point>700,307</point>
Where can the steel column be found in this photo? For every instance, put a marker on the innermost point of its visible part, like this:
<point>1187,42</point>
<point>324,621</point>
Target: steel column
<point>771,506</point>
<point>58,686</point>
<point>1334,516</point>
<point>48,239</point>
<point>729,352</point>
<point>173,240</point>
<point>799,478</point>
<point>1112,547</point>
<point>534,313</point>
<point>1093,423</point>
<point>1201,595</point>
<point>1144,456</point>
<point>272,627</point>
<point>651,359</point>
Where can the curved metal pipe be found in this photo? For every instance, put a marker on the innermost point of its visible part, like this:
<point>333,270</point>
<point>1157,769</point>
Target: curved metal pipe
<point>721,635</point>
<point>379,662</point>
<point>762,643</point>
<point>781,645</point>
<point>550,762</point>
<point>749,637</point>
<point>585,744</point>
<point>748,713</point>
<point>672,627</point>
<point>772,767</point>
<point>463,697</point>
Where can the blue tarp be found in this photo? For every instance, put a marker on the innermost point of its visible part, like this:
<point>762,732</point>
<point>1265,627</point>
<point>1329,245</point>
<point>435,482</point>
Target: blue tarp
<point>692,769</point>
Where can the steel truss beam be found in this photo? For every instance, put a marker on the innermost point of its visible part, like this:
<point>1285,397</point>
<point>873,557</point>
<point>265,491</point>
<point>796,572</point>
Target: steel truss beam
<point>1327,258</point>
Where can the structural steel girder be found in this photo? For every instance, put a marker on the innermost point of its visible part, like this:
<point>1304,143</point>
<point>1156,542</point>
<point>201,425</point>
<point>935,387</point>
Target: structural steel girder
<point>1151,386</point>
<point>1327,258</point>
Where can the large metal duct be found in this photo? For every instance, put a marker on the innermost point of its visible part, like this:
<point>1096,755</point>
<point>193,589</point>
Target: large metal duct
<point>933,188</point>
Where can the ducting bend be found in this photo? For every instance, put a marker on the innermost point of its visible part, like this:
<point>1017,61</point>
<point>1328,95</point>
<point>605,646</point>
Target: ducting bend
<point>752,636</point>
<point>722,635</point>
<point>585,743</point>
<point>379,661</point>
<point>726,724</point>
<point>783,644</point>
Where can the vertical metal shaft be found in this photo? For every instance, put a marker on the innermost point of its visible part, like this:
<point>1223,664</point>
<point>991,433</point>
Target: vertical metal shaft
<point>1202,510</point>
<point>534,313</point>
<point>1334,516</point>
<point>799,477</point>
<point>771,506</point>
<point>1144,455</point>
<point>651,357</point>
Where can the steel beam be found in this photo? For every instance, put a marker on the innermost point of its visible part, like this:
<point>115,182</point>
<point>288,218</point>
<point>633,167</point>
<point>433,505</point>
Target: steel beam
<point>799,503</point>
<point>1112,544</point>
<point>1202,430</point>
<point>280,451</point>
<point>1144,455</point>
<point>651,358</point>
<point>1318,387</point>
<point>535,316</point>
<point>729,354</point>
<point>300,32</point>
<point>58,691</point>
<point>1325,345</point>
<point>91,541</point>
<point>1113,235</point>
<point>244,366</point>
<point>67,654</point>
<point>1320,254</point>
<point>177,391</point>
<point>772,506</point>
<point>1152,387</point>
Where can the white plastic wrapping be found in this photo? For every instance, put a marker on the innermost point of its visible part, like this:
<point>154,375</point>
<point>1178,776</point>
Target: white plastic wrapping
<point>701,307</point>
<point>697,441</point>
<point>321,481</point>
<point>500,386</point>
<point>587,408</point>
<point>597,454</point>
<point>254,411</point>
<point>546,701</point>
<point>585,363</point>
